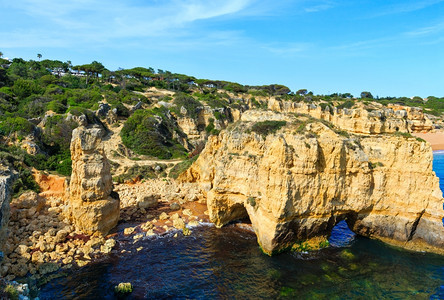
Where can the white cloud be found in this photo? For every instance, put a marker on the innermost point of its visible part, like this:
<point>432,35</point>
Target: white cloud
<point>408,6</point>
<point>324,5</point>
<point>429,30</point>
<point>93,20</point>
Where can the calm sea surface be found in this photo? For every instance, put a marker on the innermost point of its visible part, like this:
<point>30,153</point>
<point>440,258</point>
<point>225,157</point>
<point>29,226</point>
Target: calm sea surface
<point>227,264</point>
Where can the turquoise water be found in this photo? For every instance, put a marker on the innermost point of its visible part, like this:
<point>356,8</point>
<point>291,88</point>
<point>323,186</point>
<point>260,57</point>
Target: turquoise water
<point>227,264</point>
<point>438,167</point>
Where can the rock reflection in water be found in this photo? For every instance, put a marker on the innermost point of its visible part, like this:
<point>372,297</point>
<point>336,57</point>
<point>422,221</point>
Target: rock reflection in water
<point>227,263</point>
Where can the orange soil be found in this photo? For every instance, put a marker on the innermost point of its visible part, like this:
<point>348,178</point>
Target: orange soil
<point>50,185</point>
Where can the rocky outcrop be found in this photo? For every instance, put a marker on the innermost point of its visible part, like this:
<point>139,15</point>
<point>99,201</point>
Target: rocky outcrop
<point>91,207</point>
<point>207,119</point>
<point>6,180</point>
<point>394,118</point>
<point>297,183</point>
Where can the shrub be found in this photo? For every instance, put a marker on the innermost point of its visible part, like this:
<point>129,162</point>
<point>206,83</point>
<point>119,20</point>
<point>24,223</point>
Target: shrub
<point>16,158</point>
<point>150,132</point>
<point>373,165</point>
<point>403,134</point>
<point>187,102</point>
<point>122,111</point>
<point>24,182</point>
<point>24,88</point>
<point>181,167</point>
<point>19,125</point>
<point>346,104</point>
<point>56,107</point>
<point>267,127</point>
<point>84,98</point>
<point>251,201</point>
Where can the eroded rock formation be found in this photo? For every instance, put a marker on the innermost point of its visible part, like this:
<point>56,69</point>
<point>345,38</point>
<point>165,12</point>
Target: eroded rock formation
<point>297,183</point>
<point>91,207</point>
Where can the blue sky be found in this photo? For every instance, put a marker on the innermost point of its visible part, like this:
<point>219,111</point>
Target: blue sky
<point>390,48</point>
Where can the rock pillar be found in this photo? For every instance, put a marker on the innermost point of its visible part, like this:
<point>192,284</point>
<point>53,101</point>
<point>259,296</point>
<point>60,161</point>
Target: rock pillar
<point>91,207</point>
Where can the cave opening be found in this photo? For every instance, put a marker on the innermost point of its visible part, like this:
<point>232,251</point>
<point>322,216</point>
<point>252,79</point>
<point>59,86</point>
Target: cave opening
<point>240,215</point>
<point>341,235</point>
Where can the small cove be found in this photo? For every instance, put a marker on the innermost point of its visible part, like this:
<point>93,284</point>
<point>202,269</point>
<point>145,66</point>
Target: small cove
<point>227,263</point>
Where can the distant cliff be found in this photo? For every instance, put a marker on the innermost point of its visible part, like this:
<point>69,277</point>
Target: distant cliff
<point>295,178</point>
<point>394,118</point>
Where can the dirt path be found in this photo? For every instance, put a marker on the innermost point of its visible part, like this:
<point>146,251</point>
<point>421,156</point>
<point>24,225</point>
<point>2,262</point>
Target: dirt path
<point>117,153</point>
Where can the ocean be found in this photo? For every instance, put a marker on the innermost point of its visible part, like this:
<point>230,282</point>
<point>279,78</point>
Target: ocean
<point>227,263</point>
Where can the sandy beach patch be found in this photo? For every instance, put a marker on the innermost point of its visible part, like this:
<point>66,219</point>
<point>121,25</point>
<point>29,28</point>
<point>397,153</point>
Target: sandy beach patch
<point>436,139</point>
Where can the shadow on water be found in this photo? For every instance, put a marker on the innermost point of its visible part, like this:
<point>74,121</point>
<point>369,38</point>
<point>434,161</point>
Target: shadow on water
<point>227,263</point>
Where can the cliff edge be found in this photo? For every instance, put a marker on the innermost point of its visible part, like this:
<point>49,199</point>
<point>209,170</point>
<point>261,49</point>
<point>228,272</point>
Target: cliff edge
<point>296,177</point>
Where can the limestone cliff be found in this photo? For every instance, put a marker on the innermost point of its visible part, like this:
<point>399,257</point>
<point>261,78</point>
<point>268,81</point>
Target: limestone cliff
<point>6,180</point>
<point>394,118</point>
<point>298,182</point>
<point>91,208</point>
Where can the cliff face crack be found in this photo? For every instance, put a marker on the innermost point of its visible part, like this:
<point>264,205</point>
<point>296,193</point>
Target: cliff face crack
<point>415,225</point>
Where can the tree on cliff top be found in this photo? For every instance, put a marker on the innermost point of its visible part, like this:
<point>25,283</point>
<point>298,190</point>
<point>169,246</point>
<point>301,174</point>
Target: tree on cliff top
<point>367,95</point>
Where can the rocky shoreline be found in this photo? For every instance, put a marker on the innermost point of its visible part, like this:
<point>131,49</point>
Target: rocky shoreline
<point>41,241</point>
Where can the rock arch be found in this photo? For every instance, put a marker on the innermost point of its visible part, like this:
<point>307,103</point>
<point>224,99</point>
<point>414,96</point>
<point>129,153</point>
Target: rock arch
<point>301,184</point>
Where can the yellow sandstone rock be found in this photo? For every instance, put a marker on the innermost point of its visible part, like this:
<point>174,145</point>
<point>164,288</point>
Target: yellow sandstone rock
<point>297,183</point>
<point>92,209</point>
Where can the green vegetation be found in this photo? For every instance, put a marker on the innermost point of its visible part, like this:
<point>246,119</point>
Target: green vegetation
<point>123,288</point>
<point>17,125</point>
<point>11,292</point>
<point>267,127</point>
<point>42,101</point>
<point>150,132</point>
<point>403,134</point>
<point>324,244</point>
<point>373,165</point>
<point>20,161</point>
<point>301,247</point>
<point>188,103</point>
<point>347,104</point>
<point>181,167</point>
<point>141,172</point>
<point>251,201</point>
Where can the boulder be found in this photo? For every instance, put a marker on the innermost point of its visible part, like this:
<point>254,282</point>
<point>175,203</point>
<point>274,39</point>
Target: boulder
<point>147,201</point>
